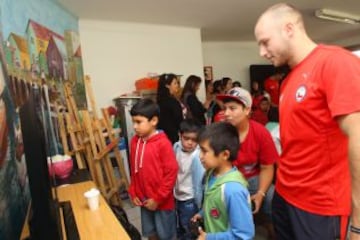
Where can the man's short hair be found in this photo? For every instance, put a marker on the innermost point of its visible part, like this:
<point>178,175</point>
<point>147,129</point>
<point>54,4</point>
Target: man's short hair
<point>221,136</point>
<point>189,125</point>
<point>146,108</point>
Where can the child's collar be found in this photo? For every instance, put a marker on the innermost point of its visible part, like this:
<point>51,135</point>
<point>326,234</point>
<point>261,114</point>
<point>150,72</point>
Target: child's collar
<point>149,136</point>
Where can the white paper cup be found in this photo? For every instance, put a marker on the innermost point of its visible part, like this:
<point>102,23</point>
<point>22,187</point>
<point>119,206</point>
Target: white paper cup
<point>92,197</point>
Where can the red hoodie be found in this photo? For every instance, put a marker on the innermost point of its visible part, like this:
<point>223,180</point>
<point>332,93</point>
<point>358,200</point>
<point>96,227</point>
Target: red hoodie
<point>153,170</point>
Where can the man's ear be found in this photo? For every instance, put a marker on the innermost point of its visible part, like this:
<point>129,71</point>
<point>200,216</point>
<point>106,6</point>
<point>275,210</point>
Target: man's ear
<point>289,29</point>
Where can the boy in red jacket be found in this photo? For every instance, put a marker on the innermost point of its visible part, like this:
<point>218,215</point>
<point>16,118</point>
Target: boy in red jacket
<point>153,173</point>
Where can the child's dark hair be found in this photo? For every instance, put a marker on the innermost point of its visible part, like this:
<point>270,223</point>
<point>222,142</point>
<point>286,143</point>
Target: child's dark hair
<point>218,87</point>
<point>221,136</point>
<point>190,125</point>
<point>236,84</point>
<point>145,107</point>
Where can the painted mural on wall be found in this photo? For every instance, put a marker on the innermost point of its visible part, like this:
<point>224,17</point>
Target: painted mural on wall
<point>14,188</point>
<point>42,45</point>
<point>39,44</point>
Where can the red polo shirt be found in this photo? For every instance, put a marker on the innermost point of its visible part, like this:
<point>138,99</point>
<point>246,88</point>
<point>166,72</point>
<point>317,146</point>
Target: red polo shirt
<point>313,172</point>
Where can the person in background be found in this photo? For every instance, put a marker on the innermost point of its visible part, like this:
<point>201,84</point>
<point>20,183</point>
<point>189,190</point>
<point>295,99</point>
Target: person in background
<point>257,155</point>
<point>227,83</point>
<point>236,84</point>
<point>260,115</point>
<point>188,189</point>
<point>273,126</point>
<point>226,209</point>
<point>210,102</point>
<point>153,173</point>
<point>189,99</point>
<point>272,86</point>
<point>257,93</point>
<point>171,112</point>
<point>218,113</point>
<point>318,175</point>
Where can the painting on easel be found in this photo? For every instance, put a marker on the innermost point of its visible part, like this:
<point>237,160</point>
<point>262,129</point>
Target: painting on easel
<point>42,45</point>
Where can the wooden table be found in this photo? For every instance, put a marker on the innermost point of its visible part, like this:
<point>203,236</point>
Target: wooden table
<point>92,225</point>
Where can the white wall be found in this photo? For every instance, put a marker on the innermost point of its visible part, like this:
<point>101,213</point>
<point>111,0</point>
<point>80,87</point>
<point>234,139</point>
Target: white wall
<point>232,59</point>
<point>115,54</point>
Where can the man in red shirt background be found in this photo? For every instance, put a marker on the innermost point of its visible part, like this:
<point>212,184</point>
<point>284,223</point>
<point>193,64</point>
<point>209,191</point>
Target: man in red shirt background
<point>319,131</point>
<point>272,86</point>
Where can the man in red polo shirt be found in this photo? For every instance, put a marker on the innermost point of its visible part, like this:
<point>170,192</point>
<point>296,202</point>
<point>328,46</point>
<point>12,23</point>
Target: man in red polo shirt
<point>319,131</point>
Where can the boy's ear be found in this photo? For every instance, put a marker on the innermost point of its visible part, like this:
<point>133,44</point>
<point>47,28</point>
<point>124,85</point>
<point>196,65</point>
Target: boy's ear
<point>154,120</point>
<point>247,111</point>
<point>225,155</point>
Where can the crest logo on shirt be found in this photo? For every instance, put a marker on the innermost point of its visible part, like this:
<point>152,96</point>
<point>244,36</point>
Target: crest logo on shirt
<point>300,93</point>
<point>214,212</point>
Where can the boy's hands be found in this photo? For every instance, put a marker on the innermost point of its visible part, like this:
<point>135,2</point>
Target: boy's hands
<point>150,204</point>
<point>136,201</point>
<point>196,217</point>
<point>202,234</point>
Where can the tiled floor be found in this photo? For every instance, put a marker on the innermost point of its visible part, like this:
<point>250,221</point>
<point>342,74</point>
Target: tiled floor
<point>134,217</point>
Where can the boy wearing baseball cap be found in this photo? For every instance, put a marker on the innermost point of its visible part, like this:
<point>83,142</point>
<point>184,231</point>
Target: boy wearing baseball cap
<point>257,155</point>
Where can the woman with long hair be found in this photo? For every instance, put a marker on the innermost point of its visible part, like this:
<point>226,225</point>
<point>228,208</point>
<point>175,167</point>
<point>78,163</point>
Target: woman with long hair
<point>171,113</point>
<point>189,98</point>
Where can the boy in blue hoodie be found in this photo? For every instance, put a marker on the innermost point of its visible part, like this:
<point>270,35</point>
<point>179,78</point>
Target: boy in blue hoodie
<point>188,188</point>
<point>226,209</point>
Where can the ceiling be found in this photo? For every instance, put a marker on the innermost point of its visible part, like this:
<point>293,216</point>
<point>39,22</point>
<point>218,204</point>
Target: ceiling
<point>219,20</point>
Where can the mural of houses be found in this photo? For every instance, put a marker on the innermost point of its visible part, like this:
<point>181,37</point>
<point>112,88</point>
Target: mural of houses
<point>38,38</point>
<point>44,54</point>
<point>57,60</point>
<point>17,55</point>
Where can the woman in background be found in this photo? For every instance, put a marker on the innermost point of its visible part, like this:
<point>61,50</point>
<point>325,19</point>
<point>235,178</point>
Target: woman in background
<point>171,113</point>
<point>189,98</point>
<point>210,101</point>
<point>227,83</point>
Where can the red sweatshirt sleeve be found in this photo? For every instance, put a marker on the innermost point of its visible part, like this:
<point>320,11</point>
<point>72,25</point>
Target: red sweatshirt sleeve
<point>170,166</point>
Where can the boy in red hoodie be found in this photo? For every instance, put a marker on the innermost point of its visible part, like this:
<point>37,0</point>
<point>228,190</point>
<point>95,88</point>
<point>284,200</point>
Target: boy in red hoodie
<point>153,173</point>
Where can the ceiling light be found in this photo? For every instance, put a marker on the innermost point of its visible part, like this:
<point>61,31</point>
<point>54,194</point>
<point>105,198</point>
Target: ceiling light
<point>337,16</point>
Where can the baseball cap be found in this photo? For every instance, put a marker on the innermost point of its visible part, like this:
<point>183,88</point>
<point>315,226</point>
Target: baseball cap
<point>238,94</point>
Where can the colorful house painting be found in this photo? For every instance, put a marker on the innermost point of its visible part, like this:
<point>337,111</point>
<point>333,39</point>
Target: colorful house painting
<point>38,38</point>
<point>34,35</point>
<point>57,58</point>
<point>17,55</point>
<point>47,56</point>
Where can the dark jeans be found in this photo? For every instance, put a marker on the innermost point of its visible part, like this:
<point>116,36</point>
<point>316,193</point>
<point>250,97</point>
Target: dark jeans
<point>292,223</point>
<point>185,210</point>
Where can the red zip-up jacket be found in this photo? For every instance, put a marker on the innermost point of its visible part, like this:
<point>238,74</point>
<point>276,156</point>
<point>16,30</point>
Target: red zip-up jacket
<point>153,170</point>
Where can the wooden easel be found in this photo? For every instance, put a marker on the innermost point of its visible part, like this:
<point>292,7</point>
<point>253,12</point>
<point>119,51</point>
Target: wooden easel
<point>94,138</point>
<point>71,132</point>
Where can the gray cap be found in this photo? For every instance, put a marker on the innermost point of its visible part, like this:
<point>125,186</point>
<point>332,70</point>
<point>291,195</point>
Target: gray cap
<point>238,94</point>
